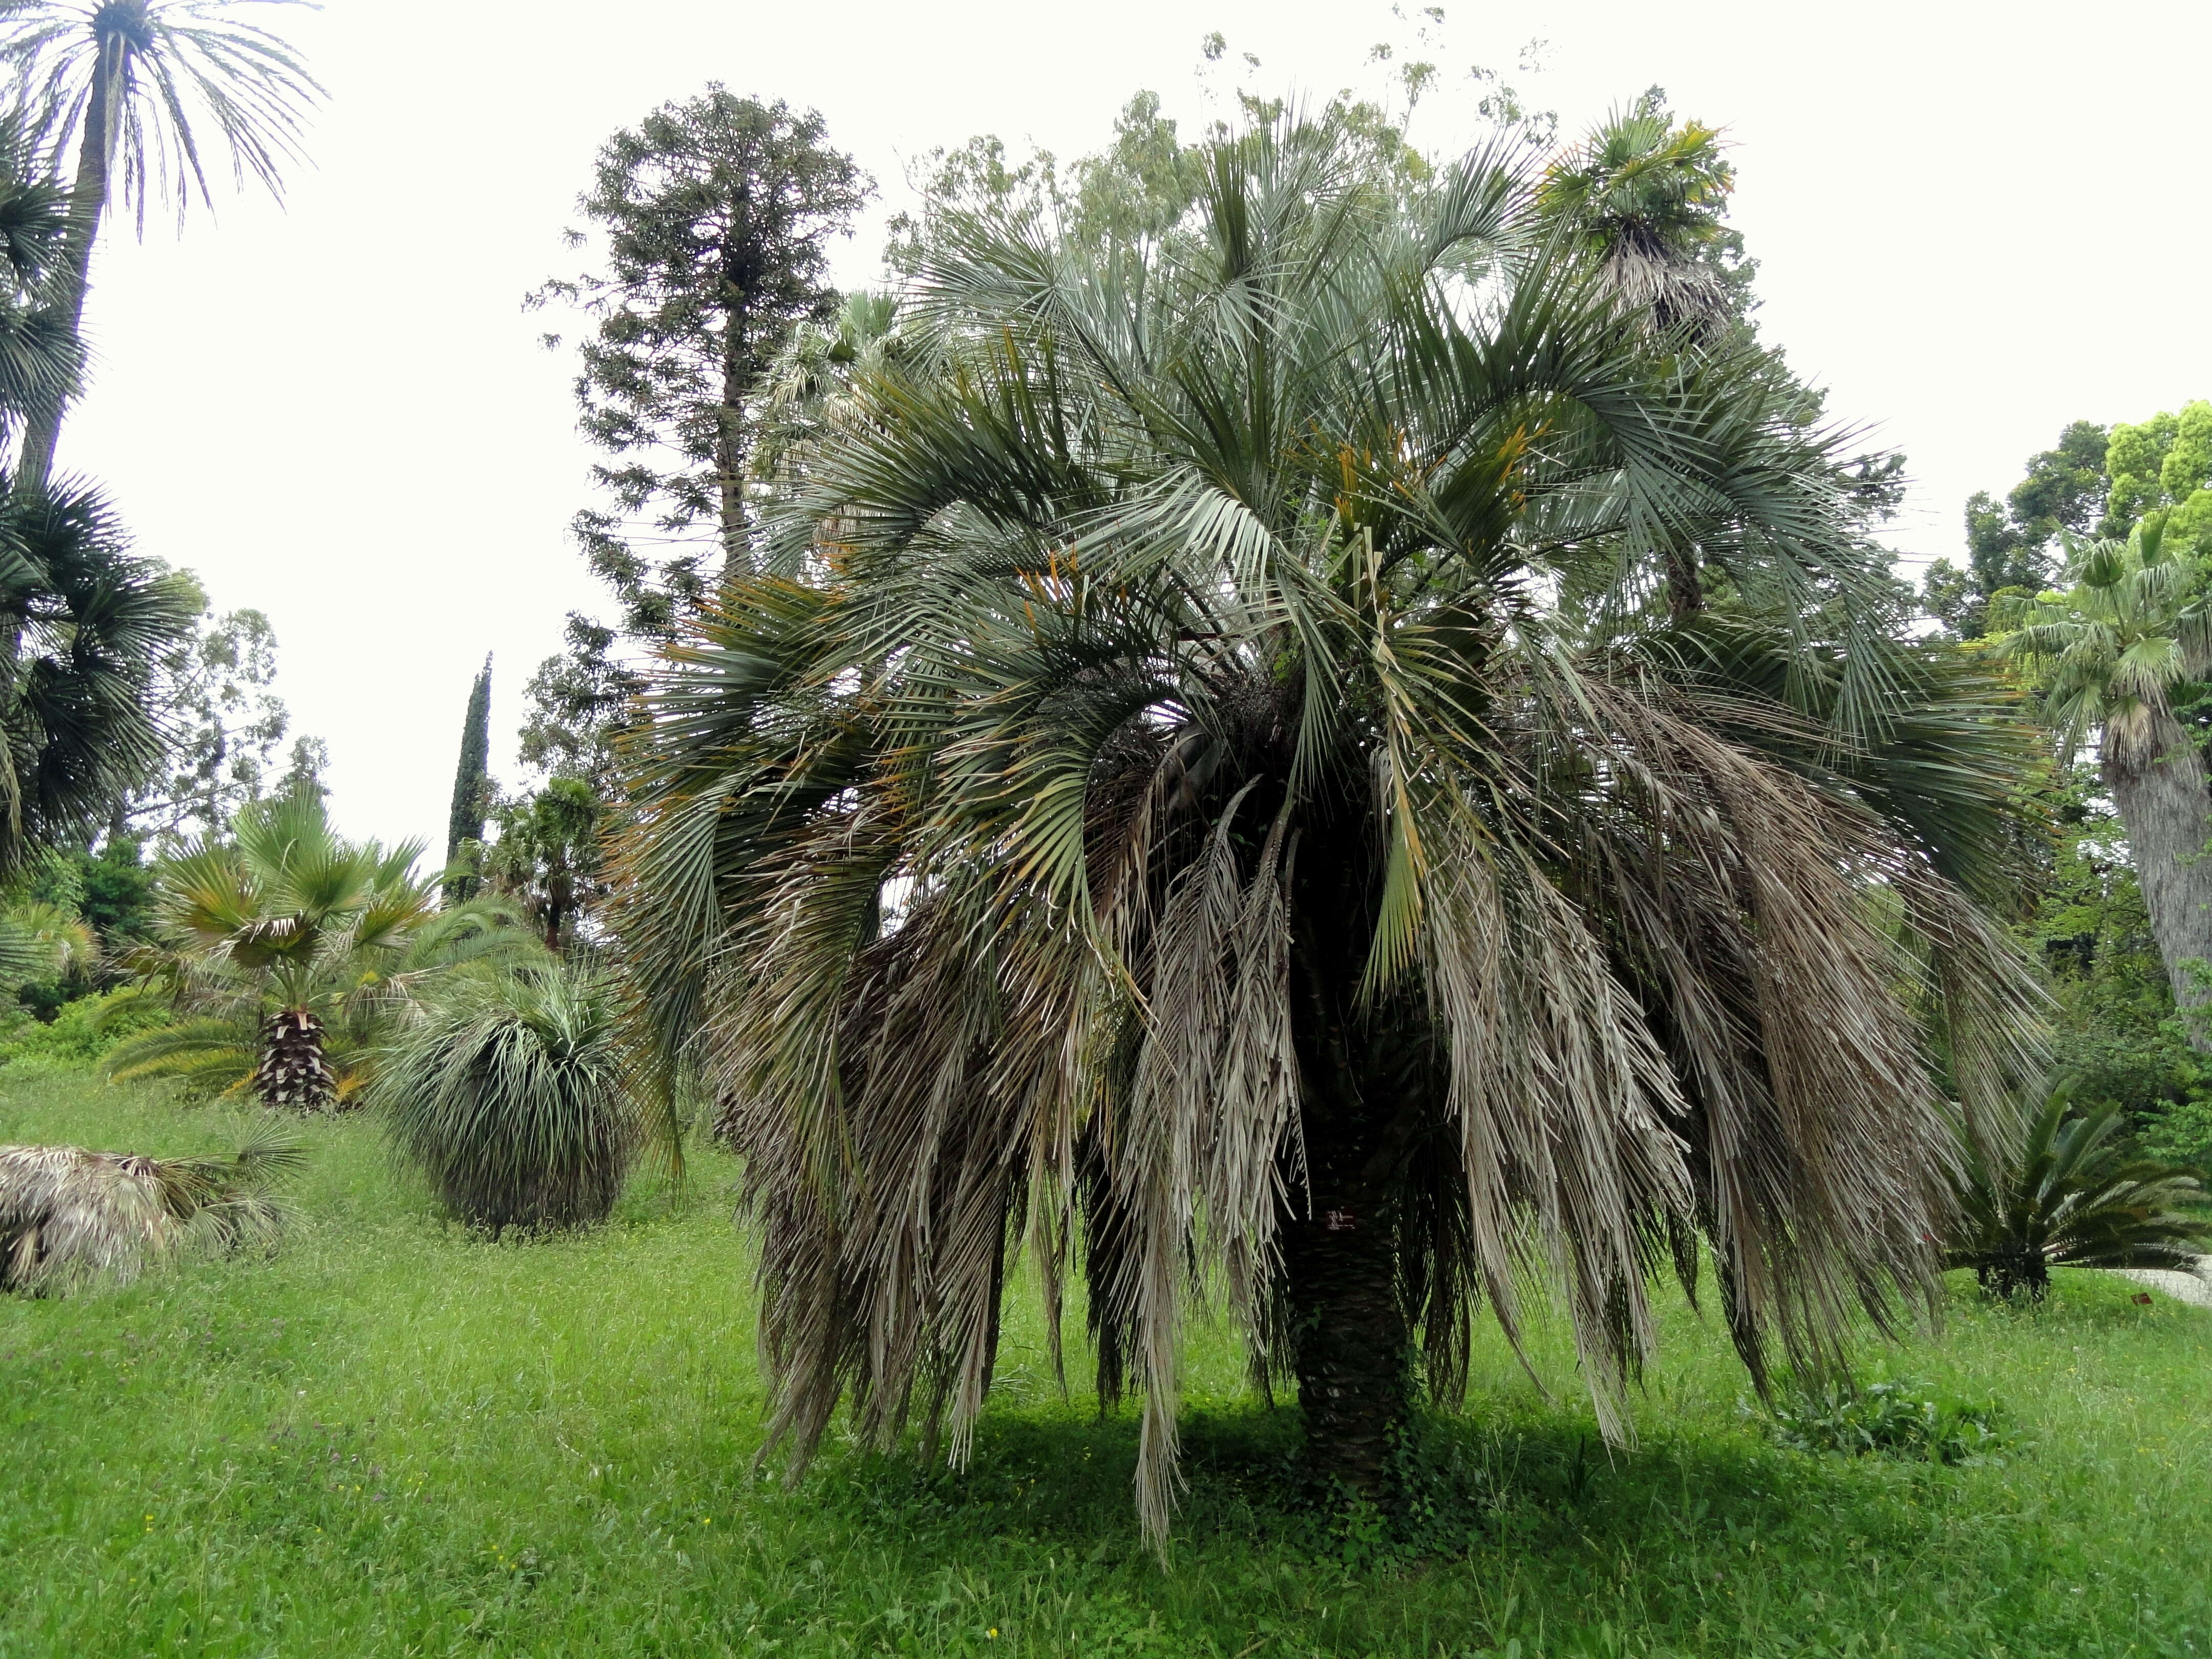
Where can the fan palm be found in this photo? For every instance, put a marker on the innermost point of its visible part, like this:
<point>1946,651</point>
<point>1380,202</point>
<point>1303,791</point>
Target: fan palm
<point>39,357</point>
<point>286,950</point>
<point>1220,797</point>
<point>145,85</point>
<point>2072,1195</point>
<point>69,1217</point>
<point>1645,197</point>
<point>82,623</point>
<point>2109,649</point>
<point>40,940</point>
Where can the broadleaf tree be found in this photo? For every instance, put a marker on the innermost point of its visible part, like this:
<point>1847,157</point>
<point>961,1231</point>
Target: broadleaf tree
<point>2014,545</point>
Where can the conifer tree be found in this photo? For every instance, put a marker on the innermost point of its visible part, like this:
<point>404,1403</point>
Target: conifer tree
<point>472,784</point>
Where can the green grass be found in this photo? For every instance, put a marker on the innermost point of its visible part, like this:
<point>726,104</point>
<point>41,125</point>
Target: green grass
<point>394,1438</point>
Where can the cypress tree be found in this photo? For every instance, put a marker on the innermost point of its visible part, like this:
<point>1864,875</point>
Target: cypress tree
<point>471,782</point>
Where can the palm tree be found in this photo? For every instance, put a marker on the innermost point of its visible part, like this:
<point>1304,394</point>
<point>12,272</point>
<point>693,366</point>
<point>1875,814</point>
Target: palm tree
<point>83,622</point>
<point>1646,197</point>
<point>2071,1196</point>
<point>1220,797</point>
<point>287,948</point>
<point>547,859</point>
<point>2109,649</point>
<point>70,1217</point>
<point>144,86</point>
<point>512,1095</point>
<point>39,357</point>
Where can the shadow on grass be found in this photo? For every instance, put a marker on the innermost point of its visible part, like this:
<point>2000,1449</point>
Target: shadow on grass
<point>1537,1482</point>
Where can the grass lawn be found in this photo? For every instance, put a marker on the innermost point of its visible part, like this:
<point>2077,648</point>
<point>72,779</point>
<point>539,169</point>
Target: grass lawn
<point>394,1438</point>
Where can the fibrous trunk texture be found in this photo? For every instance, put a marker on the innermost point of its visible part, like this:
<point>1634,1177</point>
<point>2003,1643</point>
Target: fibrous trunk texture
<point>293,1071</point>
<point>2028,1271</point>
<point>2158,786</point>
<point>1352,1347</point>
<point>1364,1073</point>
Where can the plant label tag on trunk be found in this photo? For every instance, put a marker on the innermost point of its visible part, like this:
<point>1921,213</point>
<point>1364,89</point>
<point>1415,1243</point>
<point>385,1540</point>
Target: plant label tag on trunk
<point>1342,1221</point>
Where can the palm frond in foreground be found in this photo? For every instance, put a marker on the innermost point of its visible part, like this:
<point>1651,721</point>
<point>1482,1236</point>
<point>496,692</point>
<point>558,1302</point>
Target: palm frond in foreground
<point>1233,800</point>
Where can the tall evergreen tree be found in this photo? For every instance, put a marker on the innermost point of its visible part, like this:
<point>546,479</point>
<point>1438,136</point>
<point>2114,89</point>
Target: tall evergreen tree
<point>472,784</point>
<point>2009,543</point>
<point>714,216</point>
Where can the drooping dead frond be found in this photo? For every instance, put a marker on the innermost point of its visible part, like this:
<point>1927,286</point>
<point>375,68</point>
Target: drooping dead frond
<point>70,1217</point>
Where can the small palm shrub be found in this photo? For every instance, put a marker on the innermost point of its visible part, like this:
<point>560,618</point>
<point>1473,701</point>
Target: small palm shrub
<point>2072,1193</point>
<point>510,1094</point>
<point>70,1217</point>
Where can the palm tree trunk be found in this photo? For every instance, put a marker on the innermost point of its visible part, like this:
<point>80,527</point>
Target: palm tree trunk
<point>1354,1350</point>
<point>2159,788</point>
<point>293,1071</point>
<point>1352,1342</point>
<point>42,428</point>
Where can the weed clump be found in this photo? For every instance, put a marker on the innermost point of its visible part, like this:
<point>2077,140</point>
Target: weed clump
<point>1903,1420</point>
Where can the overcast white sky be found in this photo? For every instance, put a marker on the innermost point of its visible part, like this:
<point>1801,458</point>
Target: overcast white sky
<point>1975,223</point>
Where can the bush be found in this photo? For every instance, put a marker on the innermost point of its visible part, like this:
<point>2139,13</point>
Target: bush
<point>2181,1134</point>
<point>1892,1419</point>
<point>511,1097</point>
<point>83,1030</point>
<point>2070,1192</point>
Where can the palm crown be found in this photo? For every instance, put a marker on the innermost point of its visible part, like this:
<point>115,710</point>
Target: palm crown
<point>2133,624</point>
<point>143,84</point>
<point>164,76</point>
<point>1216,782</point>
<point>286,931</point>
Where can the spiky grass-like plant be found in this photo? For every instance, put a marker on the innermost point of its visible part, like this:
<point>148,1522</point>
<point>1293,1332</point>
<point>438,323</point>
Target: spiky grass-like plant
<point>1223,798</point>
<point>71,1217</point>
<point>513,1097</point>
<point>2070,1194</point>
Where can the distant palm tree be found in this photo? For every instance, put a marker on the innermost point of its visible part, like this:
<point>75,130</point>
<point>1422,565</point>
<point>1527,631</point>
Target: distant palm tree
<point>2133,623</point>
<point>1646,197</point>
<point>145,85</point>
<point>2070,1193</point>
<point>286,947</point>
<point>1226,802</point>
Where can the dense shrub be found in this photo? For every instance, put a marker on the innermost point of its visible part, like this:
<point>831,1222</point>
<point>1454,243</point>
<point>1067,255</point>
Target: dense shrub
<point>510,1094</point>
<point>84,1031</point>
